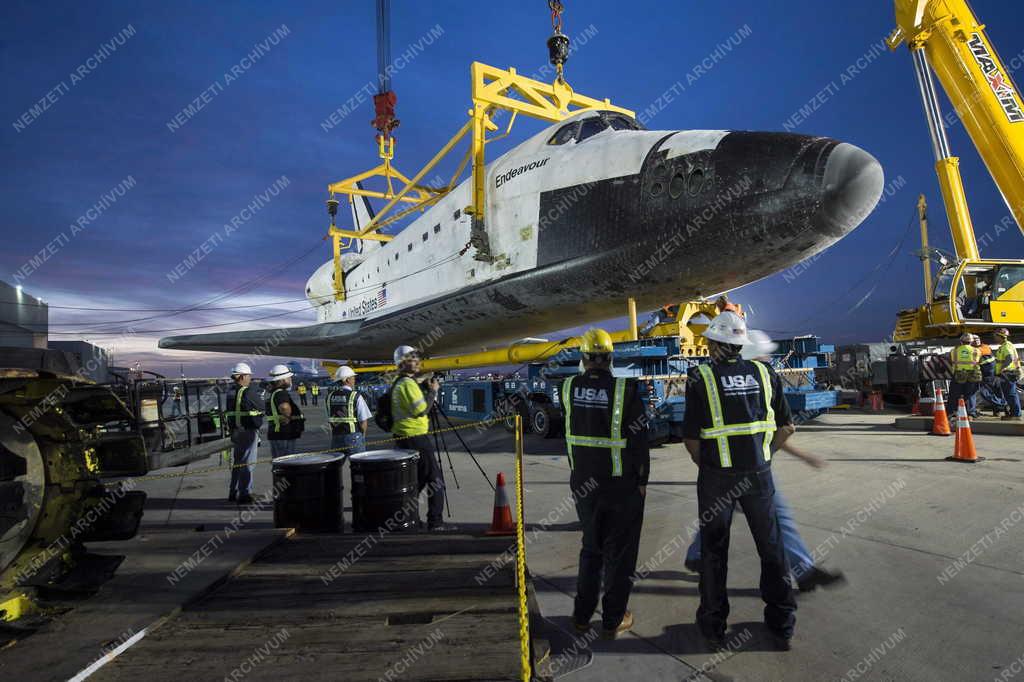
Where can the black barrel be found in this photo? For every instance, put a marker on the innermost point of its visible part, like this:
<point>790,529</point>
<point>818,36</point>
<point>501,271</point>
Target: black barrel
<point>385,490</point>
<point>310,492</point>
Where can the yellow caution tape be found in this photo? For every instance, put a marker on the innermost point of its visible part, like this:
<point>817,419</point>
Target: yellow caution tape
<point>524,615</point>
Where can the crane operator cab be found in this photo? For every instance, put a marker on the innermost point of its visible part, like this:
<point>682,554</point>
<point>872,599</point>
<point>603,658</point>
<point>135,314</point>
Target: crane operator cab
<point>969,296</point>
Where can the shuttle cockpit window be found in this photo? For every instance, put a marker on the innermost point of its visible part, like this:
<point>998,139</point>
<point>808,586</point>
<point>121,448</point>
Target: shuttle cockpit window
<point>590,127</point>
<point>622,122</point>
<point>565,134</point>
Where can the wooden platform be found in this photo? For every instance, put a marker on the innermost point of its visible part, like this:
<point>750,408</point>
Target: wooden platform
<point>410,608</point>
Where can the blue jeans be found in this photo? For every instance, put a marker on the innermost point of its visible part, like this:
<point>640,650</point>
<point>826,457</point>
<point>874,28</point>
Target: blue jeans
<point>243,461</point>
<point>351,442</point>
<point>1011,396</point>
<point>280,448</point>
<point>967,391</point>
<point>799,556</point>
<point>991,391</point>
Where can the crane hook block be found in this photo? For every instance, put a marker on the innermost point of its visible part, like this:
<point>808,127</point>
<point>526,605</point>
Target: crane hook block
<point>558,49</point>
<point>384,105</point>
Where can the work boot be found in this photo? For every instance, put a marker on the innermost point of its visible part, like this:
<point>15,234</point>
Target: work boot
<point>626,624</point>
<point>714,640</point>
<point>581,628</point>
<point>692,565</point>
<point>442,528</point>
<point>781,642</point>
<point>818,577</point>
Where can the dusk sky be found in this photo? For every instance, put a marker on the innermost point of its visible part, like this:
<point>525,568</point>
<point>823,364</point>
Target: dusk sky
<point>118,186</point>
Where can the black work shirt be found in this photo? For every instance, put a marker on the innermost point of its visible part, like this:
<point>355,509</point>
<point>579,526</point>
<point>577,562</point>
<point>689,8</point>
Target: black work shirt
<point>742,398</point>
<point>252,401</point>
<point>591,415</point>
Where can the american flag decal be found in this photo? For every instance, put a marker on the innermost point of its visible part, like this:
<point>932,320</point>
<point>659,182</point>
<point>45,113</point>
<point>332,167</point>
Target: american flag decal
<point>382,297</point>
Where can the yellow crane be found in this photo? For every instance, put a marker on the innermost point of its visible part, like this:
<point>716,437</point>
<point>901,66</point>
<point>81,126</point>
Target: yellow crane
<point>970,293</point>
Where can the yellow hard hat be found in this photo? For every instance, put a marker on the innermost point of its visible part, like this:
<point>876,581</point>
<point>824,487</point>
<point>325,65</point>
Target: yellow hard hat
<point>596,341</point>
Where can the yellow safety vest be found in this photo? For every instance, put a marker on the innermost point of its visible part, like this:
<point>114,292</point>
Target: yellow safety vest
<point>720,431</point>
<point>614,442</point>
<point>965,358</point>
<point>1006,358</point>
<point>302,389</point>
<point>238,413</point>
<point>315,389</point>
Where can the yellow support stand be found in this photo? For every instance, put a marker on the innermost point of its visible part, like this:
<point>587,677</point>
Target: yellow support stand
<point>16,606</point>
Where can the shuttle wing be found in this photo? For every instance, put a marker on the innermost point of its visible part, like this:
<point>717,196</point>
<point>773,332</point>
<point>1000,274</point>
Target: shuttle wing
<point>327,340</point>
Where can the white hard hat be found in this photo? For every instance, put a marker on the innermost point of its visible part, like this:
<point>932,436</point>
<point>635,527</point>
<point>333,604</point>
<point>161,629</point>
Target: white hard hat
<point>343,372</point>
<point>278,372</point>
<point>760,345</point>
<point>728,327</point>
<point>401,352</point>
<point>241,368</point>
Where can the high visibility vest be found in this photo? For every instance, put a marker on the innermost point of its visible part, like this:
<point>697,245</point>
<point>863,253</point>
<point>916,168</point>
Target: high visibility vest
<point>315,389</point>
<point>966,358</point>
<point>719,431</point>
<point>238,412</point>
<point>302,389</point>
<point>350,409</point>
<point>1006,358</point>
<point>275,418</point>
<point>614,442</point>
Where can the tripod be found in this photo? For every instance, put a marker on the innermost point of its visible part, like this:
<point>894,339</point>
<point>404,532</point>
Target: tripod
<point>441,445</point>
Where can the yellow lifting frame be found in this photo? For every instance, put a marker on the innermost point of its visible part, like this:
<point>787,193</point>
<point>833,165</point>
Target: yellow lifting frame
<point>692,344</point>
<point>492,88</point>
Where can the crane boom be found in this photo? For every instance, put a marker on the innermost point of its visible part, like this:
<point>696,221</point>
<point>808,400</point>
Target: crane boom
<point>946,36</point>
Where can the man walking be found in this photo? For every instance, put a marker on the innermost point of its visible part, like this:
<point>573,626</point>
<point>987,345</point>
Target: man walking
<point>410,409</point>
<point>736,416</point>
<point>606,441</point>
<point>284,417</point>
<point>245,416</point>
<point>1008,371</point>
<point>314,391</point>
<point>347,413</point>
<point>302,393</point>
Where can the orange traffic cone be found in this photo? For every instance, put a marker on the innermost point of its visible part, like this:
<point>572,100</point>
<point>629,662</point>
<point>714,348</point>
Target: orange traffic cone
<point>963,448</point>
<point>501,521</point>
<point>940,424</point>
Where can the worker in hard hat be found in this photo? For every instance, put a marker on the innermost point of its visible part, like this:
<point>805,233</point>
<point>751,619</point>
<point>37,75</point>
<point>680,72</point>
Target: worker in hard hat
<point>966,361</point>
<point>301,390</point>
<point>410,409</point>
<point>988,389</point>
<point>314,392</point>
<point>284,418</point>
<point>606,442</point>
<point>1008,370</point>
<point>736,416</point>
<point>808,575</point>
<point>347,413</point>
<point>245,416</point>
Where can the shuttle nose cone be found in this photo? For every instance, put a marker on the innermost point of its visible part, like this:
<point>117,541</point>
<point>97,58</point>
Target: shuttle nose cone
<point>851,187</point>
